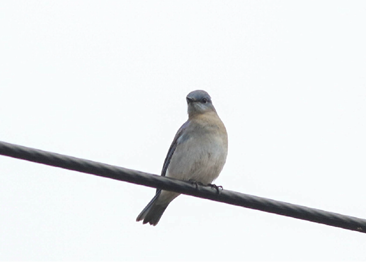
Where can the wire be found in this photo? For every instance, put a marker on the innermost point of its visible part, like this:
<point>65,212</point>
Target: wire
<point>166,183</point>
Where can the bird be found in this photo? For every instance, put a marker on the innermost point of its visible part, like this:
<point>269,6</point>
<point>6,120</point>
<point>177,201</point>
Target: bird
<point>197,154</point>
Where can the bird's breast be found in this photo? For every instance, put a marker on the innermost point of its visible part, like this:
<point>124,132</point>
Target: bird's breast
<point>200,154</point>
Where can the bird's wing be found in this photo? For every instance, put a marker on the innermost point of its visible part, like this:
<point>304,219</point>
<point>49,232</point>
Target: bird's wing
<point>173,146</point>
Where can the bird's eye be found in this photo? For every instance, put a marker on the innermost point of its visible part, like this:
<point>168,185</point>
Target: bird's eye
<point>204,100</point>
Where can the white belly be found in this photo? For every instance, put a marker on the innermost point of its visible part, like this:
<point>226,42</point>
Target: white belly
<point>198,159</point>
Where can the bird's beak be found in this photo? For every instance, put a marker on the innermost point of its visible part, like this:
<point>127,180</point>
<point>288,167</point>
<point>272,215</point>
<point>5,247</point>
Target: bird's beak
<point>190,100</point>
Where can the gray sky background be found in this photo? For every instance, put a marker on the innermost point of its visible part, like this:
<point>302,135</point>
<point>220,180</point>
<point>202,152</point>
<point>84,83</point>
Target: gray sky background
<point>107,80</point>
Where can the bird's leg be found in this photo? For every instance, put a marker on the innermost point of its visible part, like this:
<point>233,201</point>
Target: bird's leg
<point>196,183</point>
<point>216,187</point>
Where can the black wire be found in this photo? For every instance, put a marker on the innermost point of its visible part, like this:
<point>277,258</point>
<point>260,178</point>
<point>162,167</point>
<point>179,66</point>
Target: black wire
<point>150,180</point>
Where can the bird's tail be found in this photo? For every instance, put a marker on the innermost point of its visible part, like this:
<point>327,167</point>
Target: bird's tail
<point>156,207</point>
<point>153,211</point>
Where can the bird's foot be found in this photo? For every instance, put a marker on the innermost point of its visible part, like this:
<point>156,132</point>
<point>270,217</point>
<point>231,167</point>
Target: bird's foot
<point>195,183</point>
<point>218,188</point>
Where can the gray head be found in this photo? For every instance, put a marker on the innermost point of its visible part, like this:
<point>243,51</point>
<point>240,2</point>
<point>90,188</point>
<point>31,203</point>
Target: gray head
<point>199,102</point>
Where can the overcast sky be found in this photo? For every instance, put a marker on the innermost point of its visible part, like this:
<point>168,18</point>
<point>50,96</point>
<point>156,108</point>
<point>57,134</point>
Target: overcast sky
<point>107,81</point>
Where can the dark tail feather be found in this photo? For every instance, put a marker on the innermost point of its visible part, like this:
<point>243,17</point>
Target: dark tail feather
<point>152,212</point>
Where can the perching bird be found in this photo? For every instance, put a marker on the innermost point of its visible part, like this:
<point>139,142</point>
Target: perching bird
<point>197,153</point>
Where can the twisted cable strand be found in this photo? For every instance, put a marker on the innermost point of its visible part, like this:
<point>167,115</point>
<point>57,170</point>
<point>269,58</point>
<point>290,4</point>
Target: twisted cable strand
<point>207,192</point>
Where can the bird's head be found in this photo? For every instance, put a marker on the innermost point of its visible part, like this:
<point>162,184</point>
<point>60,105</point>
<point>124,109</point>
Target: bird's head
<point>199,102</point>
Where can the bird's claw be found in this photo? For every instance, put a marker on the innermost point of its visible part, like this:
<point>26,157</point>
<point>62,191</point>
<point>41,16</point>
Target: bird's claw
<point>195,183</point>
<point>218,188</point>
